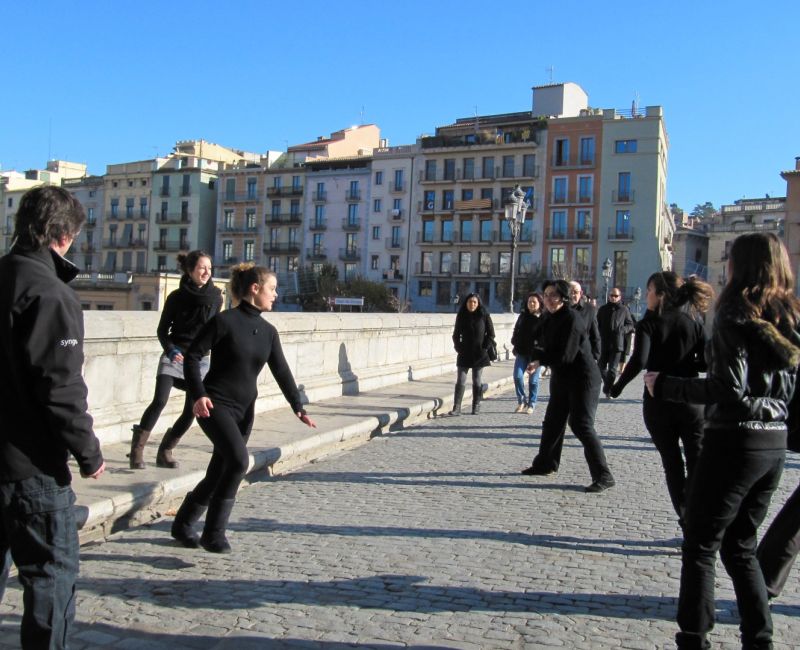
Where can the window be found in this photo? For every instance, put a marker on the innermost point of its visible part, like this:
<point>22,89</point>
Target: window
<point>529,165</point>
<point>582,262</point>
<point>272,263</point>
<point>395,236</point>
<point>466,195</point>
<point>561,152</point>
<point>352,214</point>
<point>350,271</point>
<point>376,232</point>
<point>623,223</point>
<point>557,261</point>
<point>560,189</point>
<point>376,205</point>
<point>165,186</point>
<point>558,224</point>
<point>508,166</point>
<point>89,214</point>
<point>398,180</point>
<point>10,202</point>
<point>484,262</point>
<point>447,230</point>
<point>427,262</point>
<point>466,230</point>
<point>274,234</point>
<point>186,188</point>
<point>129,208</point>
<point>583,224</point>
<point>625,146</point>
<point>504,262</point>
<point>620,278</point>
<point>464,262</point>
<point>430,200</point>
<point>584,189</point>
<point>115,208</point>
<point>228,223</point>
<point>294,208</point>
<point>350,244</point>
<point>378,178</point>
<point>277,181</point>
<point>296,183</point>
<point>319,215</point>
<point>425,288</point>
<point>505,230</point>
<point>394,262</point>
<point>251,188</point>
<point>354,194</point>
<point>469,168</point>
<point>445,262</point>
<point>488,167</point>
<point>317,243</point>
<point>143,207</point>
<point>525,264</point>
<point>227,251</point>
<point>373,262</point>
<point>162,262</point>
<point>430,170</point>
<point>249,250</point>
<point>319,195</point>
<point>486,229</point>
<point>292,264</point>
<point>230,189</point>
<point>447,200</point>
<point>250,217</point>
<point>292,236</point>
<point>427,231</point>
<point>587,151</point>
<point>397,204</point>
<point>624,186</point>
<point>275,210</point>
<point>450,169</point>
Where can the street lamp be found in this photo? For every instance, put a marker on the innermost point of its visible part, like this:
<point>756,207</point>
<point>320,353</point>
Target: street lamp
<point>515,208</point>
<point>637,296</point>
<point>606,272</point>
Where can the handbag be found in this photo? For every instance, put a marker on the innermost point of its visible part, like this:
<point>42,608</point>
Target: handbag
<point>491,351</point>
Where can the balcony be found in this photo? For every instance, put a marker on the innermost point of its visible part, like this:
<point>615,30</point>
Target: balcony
<point>284,218</point>
<point>395,214</point>
<point>171,246</point>
<point>86,247</point>
<point>293,190</point>
<point>319,224</point>
<point>395,243</point>
<point>281,247</point>
<point>620,234</point>
<point>623,197</point>
<point>570,198</point>
<point>350,254</point>
<point>573,162</point>
<point>317,253</point>
<point>353,195</point>
<point>569,234</point>
<point>164,191</point>
<point>397,187</point>
<point>234,229</point>
<point>392,274</point>
<point>186,191</point>
<point>320,197</point>
<point>351,225</point>
<point>240,197</point>
<point>90,223</point>
<point>129,243</point>
<point>173,217</point>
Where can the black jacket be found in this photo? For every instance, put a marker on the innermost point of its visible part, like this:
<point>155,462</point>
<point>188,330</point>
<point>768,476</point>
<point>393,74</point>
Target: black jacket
<point>671,342</point>
<point>564,346</point>
<point>752,371</point>
<point>185,312</point>
<point>588,314</point>
<point>526,333</point>
<point>42,393</point>
<point>614,322</point>
<point>472,334</point>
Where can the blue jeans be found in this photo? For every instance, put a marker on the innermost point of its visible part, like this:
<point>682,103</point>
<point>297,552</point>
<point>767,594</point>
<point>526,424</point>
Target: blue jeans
<point>726,501</point>
<point>520,363</point>
<point>38,531</point>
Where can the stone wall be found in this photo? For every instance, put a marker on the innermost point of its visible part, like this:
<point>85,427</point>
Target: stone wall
<point>330,355</point>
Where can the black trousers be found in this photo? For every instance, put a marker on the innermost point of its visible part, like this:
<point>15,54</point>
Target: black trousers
<point>573,401</point>
<point>727,499</point>
<point>164,384</point>
<point>780,544</point>
<point>671,424</point>
<point>609,366</point>
<point>229,431</point>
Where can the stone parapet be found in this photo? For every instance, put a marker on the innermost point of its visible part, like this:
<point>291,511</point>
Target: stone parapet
<point>330,355</point>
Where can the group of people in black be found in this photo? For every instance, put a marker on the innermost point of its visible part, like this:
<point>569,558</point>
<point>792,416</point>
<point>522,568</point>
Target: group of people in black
<point>719,411</point>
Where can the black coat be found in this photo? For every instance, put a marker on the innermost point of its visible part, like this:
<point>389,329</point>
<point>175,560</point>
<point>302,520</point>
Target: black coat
<point>42,392</point>
<point>471,337</point>
<point>185,312</point>
<point>564,347</point>
<point>614,323</point>
<point>588,314</point>
<point>526,333</point>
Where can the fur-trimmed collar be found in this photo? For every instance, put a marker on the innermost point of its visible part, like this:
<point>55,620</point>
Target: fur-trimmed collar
<point>778,350</point>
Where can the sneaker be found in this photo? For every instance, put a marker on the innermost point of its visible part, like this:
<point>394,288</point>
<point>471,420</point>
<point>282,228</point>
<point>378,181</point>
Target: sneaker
<point>535,471</point>
<point>529,410</point>
<point>600,486</point>
<point>520,408</point>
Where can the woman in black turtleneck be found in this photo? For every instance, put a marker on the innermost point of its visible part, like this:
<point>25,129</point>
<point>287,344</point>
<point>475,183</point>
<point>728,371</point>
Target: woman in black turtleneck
<point>186,310</point>
<point>241,342</point>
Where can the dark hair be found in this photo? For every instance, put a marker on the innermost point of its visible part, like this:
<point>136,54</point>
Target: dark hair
<point>243,276</point>
<point>45,215</point>
<point>463,311</point>
<point>677,292</point>
<point>761,284</point>
<point>561,287</point>
<point>188,261</point>
<point>538,296</point>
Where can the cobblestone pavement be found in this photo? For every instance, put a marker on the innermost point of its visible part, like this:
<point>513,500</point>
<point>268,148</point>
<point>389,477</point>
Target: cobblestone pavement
<point>425,538</point>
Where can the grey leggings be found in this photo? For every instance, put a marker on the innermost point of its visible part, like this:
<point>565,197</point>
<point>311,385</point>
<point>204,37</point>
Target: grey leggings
<point>461,379</point>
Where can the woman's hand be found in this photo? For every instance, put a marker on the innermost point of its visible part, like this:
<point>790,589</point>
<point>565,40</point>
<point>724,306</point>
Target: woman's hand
<point>202,407</point>
<point>306,420</point>
<point>650,382</point>
<point>532,366</point>
<point>97,474</point>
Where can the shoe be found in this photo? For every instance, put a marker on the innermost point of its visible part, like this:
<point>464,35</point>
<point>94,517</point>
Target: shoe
<point>535,471</point>
<point>520,408</point>
<point>138,441</point>
<point>164,457</point>
<point>529,410</point>
<point>599,486</point>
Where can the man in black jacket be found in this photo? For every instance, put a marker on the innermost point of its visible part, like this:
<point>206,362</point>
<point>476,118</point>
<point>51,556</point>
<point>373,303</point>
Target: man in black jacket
<point>581,304</point>
<point>615,323</point>
<point>45,418</point>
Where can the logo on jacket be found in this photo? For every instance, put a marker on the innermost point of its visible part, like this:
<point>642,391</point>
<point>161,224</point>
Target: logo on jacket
<point>68,343</point>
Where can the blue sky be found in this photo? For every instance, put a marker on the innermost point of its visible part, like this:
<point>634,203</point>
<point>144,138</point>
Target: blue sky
<point>108,82</point>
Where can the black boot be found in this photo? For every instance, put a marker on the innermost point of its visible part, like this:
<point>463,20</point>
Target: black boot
<point>457,397</point>
<point>477,393</point>
<point>187,516</point>
<point>138,441</point>
<point>164,455</point>
<point>213,538</point>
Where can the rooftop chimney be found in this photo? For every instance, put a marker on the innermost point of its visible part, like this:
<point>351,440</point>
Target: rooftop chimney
<point>797,162</point>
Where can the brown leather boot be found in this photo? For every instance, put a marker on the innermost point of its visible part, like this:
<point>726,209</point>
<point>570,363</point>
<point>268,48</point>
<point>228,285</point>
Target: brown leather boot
<point>164,455</point>
<point>138,441</point>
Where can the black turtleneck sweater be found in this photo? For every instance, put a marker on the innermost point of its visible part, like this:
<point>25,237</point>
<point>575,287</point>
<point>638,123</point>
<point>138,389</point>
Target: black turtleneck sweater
<point>241,342</point>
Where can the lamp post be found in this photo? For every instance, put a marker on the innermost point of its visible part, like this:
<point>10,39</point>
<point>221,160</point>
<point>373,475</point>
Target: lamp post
<point>515,208</point>
<point>606,272</point>
<point>637,296</point>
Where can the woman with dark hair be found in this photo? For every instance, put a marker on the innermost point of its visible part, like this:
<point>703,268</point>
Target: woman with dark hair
<point>574,388</point>
<point>240,342</point>
<point>670,339</point>
<point>524,340</point>
<point>472,335</point>
<point>752,370</point>
<point>185,311</point>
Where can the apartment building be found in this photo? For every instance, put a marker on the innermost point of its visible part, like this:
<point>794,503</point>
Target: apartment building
<point>85,250</point>
<point>792,178</point>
